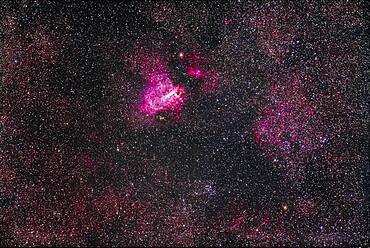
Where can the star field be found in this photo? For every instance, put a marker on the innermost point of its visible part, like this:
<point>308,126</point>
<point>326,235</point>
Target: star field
<point>192,123</point>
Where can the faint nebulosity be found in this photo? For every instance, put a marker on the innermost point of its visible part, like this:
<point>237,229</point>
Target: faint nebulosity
<point>184,123</point>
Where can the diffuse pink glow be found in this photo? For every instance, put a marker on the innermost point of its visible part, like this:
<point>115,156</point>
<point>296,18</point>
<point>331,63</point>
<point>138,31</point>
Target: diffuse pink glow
<point>195,67</point>
<point>162,97</point>
<point>211,78</point>
<point>161,94</point>
<point>289,127</point>
<point>196,72</point>
<point>194,64</point>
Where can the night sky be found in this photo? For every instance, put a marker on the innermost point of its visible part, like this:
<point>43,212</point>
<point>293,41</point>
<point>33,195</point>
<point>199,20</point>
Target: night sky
<point>168,123</point>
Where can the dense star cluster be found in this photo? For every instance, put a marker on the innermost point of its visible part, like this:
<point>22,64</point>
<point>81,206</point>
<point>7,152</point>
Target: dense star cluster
<point>184,123</point>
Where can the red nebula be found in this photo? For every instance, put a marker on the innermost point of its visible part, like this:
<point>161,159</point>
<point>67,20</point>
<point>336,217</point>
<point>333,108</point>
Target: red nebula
<point>252,225</point>
<point>162,95</point>
<point>195,65</point>
<point>211,84</point>
<point>289,128</point>
<point>159,94</point>
<point>227,21</point>
<point>196,72</point>
<point>86,160</point>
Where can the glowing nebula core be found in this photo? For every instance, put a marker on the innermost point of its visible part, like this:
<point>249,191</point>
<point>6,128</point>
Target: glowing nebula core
<point>196,72</point>
<point>161,95</point>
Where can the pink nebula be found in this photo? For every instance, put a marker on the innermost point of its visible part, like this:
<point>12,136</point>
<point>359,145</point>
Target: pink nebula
<point>227,21</point>
<point>196,68</point>
<point>196,72</point>
<point>162,96</point>
<point>289,128</point>
<point>194,64</point>
<point>160,93</point>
